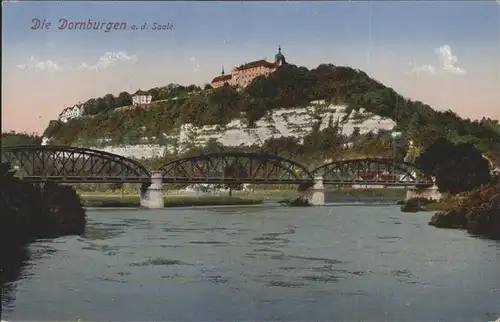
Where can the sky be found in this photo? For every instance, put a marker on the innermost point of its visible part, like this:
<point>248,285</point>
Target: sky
<point>443,53</point>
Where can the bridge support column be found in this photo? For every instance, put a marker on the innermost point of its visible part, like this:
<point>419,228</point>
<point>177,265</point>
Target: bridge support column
<point>427,193</point>
<point>152,196</point>
<point>314,194</point>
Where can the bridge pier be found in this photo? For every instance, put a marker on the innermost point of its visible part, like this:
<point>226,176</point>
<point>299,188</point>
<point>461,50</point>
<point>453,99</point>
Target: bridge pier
<point>314,194</point>
<point>431,193</point>
<point>152,196</point>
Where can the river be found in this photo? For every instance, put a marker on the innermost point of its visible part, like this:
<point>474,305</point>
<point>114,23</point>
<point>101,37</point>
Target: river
<point>355,262</point>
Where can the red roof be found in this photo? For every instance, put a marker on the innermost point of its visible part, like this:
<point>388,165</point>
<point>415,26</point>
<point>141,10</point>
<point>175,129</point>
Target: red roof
<point>139,92</point>
<point>377,177</point>
<point>386,177</point>
<point>256,63</point>
<point>369,176</point>
<point>221,78</point>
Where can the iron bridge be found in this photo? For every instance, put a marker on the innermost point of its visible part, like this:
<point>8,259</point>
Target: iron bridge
<point>80,165</point>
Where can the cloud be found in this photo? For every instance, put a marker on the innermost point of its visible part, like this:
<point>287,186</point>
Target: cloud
<point>448,60</point>
<point>37,65</point>
<point>448,63</point>
<point>109,59</point>
<point>425,69</point>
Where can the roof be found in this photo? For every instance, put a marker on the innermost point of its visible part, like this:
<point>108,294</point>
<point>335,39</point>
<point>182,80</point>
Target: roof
<point>140,92</point>
<point>71,108</point>
<point>221,78</point>
<point>369,176</point>
<point>256,63</point>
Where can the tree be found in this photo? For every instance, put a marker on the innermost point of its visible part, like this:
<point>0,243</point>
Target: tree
<point>124,99</point>
<point>12,139</point>
<point>234,171</point>
<point>457,168</point>
<point>356,133</point>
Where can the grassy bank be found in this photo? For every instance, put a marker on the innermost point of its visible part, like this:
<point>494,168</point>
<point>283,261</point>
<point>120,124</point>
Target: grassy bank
<point>391,193</point>
<point>133,201</point>
<point>422,204</point>
<point>272,193</point>
<point>438,206</point>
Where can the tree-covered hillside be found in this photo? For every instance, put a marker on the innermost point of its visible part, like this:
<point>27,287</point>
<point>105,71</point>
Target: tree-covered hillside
<point>12,139</point>
<point>288,87</point>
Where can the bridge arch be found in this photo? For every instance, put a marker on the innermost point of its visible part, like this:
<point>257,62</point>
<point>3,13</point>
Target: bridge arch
<point>234,167</point>
<point>371,169</point>
<point>67,161</point>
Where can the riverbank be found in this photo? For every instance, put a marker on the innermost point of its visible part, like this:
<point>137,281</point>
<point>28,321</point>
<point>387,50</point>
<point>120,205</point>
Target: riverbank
<point>423,204</point>
<point>133,201</point>
<point>181,198</point>
<point>270,194</point>
<point>478,212</point>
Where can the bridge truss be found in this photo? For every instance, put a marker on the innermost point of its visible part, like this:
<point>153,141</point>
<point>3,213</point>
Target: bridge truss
<point>78,165</point>
<point>235,168</point>
<point>371,171</point>
<point>72,165</point>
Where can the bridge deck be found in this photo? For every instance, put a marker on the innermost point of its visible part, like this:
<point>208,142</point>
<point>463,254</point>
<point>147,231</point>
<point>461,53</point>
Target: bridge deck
<point>166,180</point>
<point>68,164</point>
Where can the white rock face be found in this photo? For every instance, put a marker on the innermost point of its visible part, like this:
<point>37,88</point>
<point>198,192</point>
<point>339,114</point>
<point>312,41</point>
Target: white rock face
<point>281,123</point>
<point>140,151</point>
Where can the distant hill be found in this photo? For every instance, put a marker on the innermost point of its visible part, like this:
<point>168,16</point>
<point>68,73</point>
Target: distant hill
<point>290,87</point>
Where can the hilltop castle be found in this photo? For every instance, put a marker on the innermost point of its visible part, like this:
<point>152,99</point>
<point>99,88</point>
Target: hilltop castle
<point>243,75</point>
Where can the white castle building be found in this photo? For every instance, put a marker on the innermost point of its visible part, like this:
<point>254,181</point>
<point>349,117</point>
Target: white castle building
<point>71,112</point>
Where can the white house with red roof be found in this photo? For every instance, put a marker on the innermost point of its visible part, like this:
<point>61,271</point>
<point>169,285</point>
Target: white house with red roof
<point>141,97</point>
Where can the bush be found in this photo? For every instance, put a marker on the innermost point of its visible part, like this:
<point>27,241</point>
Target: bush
<point>29,211</point>
<point>478,212</point>
<point>297,202</point>
<point>415,204</point>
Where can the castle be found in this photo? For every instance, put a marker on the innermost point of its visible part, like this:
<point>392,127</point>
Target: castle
<point>243,75</point>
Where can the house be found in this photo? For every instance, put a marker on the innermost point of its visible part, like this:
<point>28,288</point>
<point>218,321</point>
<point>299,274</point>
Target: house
<point>244,74</point>
<point>71,112</point>
<point>141,97</point>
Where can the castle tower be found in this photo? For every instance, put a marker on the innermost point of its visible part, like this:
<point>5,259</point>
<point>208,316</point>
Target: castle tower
<point>279,59</point>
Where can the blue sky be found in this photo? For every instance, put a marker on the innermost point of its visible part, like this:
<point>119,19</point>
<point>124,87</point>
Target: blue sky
<point>388,39</point>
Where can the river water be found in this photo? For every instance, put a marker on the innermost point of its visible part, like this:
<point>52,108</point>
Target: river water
<point>355,262</point>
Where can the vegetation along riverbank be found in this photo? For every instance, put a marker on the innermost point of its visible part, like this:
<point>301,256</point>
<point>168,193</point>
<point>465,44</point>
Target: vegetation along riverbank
<point>133,201</point>
<point>108,198</point>
<point>470,191</point>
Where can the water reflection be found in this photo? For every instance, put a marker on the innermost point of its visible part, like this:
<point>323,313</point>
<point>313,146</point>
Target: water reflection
<point>14,261</point>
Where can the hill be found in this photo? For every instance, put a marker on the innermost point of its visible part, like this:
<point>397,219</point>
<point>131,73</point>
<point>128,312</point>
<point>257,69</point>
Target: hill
<point>329,95</point>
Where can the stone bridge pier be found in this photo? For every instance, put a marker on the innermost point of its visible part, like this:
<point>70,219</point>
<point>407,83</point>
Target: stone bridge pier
<point>427,193</point>
<point>152,194</point>
<point>314,193</point>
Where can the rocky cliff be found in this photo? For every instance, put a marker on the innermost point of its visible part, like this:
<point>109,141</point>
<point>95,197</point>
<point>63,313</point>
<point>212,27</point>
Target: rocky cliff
<point>295,122</point>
